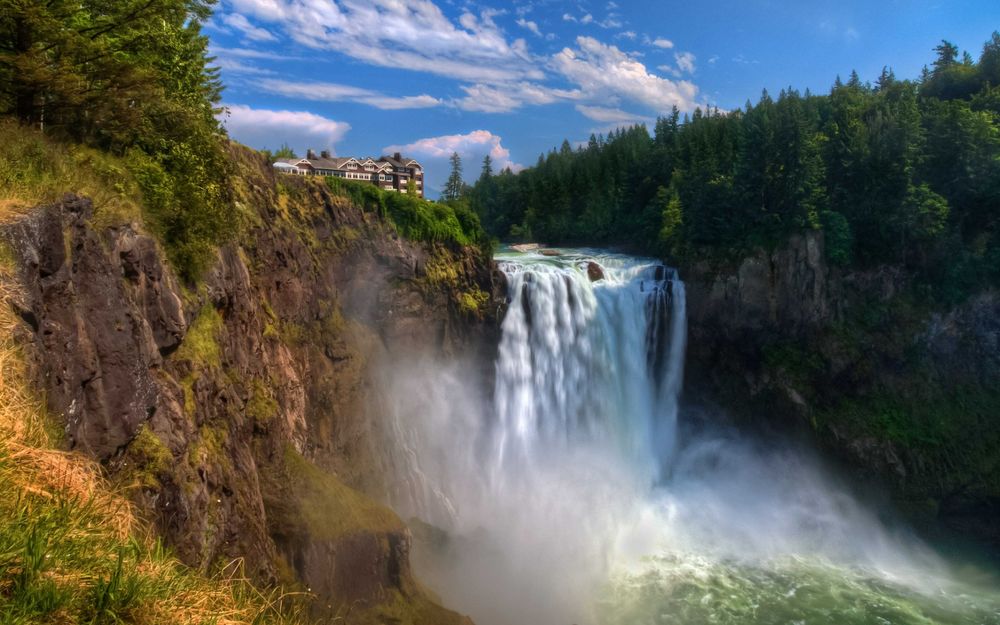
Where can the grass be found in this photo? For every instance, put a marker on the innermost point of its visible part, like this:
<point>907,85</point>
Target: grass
<point>35,169</point>
<point>72,550</point>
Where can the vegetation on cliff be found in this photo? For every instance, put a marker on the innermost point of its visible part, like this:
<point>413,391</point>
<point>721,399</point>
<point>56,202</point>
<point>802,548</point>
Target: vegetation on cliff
<point>131,79</point>
<point>72,549</point>
<point>902,171</point>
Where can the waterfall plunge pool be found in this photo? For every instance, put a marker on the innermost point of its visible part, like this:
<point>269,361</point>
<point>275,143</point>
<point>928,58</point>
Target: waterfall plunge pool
<point>567,496</point>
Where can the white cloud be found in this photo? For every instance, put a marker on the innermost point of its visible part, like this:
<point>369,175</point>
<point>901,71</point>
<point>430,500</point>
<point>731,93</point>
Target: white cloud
<point>508,97</point>
<point>390,33</point>
<point>628,34</point>
<point>604,71</point>
<point>713,59</point>
<point>251,32</point>
<point>685,61</point>
<point>235,66</point>
<point>470,146</point>
<point>529,25</point>
<point>568,18</point>
<point>660,42</point>
<point>333,92</point>
<point>586,19</point>
<point>262,128</point>
<point>248,53</point>
<point>612,115</point>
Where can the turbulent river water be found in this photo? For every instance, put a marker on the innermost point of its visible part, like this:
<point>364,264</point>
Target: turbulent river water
<point>570,493</point>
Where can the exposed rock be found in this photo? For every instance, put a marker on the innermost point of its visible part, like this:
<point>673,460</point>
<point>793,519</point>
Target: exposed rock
<point>782,337</point>
<point>594,271</point>
<point>548,251</point>
<point>270,356</point>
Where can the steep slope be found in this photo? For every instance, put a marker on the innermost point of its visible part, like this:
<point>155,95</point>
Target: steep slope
<point>902,389</point>
<point>240,414</point>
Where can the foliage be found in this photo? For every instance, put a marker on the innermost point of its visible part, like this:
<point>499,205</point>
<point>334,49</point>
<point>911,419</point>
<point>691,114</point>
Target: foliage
<point>416,218</point>
<point>454,187</point>
<point>130,78</point>
<point>902,172</point>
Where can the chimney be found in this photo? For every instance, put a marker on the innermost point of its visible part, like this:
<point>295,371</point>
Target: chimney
<point>398,157</point>
<point>325,153</point>
<point>310,154</point>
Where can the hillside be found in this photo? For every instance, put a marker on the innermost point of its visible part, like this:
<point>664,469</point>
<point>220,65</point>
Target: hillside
<point>234,410</point>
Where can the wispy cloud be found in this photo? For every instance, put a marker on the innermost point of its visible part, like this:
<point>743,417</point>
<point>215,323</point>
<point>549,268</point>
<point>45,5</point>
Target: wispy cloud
<point>251,32</point>
<point>511,96</point>
<point>661,42</point>
<point>263,128</point>
<point>415,34</point>
<point>685,61</point>
<point>529,26</point>
<point>612,115</point>
<point>333,92</point>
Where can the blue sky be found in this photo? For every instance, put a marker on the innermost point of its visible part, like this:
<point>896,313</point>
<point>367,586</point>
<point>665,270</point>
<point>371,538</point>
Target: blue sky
<point>428,77</point>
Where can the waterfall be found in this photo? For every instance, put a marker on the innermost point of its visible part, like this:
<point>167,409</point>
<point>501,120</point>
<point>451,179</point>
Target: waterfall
<point>568,497</point>
<point>585,362</point>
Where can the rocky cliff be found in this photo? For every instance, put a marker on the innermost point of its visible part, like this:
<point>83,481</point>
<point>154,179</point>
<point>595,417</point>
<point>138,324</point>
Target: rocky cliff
<point>902,388</point>
<point>238,413</point>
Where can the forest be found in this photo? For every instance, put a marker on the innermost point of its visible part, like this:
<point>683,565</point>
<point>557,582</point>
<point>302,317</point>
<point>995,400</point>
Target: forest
<point>896,171</point>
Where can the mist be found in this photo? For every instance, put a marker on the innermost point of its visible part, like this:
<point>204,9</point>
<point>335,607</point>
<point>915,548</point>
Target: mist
<point>566,494</point>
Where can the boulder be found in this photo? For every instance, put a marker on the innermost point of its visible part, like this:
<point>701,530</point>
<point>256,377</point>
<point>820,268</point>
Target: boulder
<point>594,271</point>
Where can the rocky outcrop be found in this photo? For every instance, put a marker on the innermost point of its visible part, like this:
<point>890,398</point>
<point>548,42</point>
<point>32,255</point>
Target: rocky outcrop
<point>206,402</point>
<point>899,387</point>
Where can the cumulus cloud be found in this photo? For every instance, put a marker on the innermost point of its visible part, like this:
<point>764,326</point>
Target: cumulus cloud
<point>333,92</point>
<point>251,32</point>
<point>660,42</point>
<point>471,146</point>
<point>263,128</point>
<point>414,34</point>
<point>604,71</point>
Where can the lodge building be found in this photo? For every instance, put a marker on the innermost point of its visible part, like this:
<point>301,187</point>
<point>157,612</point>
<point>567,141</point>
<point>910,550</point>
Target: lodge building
<point>389,173</point>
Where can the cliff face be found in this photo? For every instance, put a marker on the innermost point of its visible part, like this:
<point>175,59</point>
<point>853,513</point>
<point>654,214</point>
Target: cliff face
<point>239,415</point>
<point>902,389</point>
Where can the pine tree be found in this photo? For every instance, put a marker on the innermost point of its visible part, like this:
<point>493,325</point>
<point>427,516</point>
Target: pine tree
<point>487,171</point>
<point>454,186</point>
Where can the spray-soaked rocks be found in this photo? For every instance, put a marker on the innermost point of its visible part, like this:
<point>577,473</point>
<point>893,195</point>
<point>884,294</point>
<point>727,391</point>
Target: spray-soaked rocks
<point>594,271</point>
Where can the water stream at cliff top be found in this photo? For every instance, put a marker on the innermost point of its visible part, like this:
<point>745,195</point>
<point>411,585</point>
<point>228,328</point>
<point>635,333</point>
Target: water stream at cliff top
<point>567,495</point>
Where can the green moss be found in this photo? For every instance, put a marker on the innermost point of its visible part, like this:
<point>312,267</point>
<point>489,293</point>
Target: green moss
<point>261,407</point>
<point>149,457</point>
<point>210,447</point>
<point>200,345</point>
<point>329,508</point>
<point>473,301</point>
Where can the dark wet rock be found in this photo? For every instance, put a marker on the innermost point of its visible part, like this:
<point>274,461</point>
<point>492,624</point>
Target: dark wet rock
<point>594,271</point>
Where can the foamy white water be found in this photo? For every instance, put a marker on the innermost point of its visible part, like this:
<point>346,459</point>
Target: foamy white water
<point>569,498</point>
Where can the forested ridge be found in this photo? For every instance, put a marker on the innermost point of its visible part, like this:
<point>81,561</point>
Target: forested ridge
<point>895,171</point>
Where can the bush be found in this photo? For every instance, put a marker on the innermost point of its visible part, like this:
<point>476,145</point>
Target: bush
<point>415,218</point>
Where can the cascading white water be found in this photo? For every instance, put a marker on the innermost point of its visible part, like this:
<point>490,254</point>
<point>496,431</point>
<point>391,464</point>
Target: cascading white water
<point>588,362</point>
<point>569,499</point>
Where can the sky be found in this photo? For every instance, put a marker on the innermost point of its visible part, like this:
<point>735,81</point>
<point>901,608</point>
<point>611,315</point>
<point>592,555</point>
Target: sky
<point>513,80</point>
